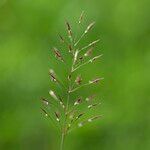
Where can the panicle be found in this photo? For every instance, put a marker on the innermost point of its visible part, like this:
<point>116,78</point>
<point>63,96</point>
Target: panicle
<point>62,111</point>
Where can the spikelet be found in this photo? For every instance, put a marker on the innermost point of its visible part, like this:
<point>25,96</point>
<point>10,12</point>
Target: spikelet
<point>61,102</point>
<point>57,114</point>
<point>89,120</point>
<point>81,58</point>
<point>90,97</point>
<point>45,112</point>
<point>94,42</point>
<point>61,38</point>
<point>93,105</point>
<point>95,80</point>
<point>52,75</point>
<point>89,27</point>
<point>78,80</point>
<point>70,48</point>
<point>81,17</point>
<point>80,115</point>
<point>78,101</point>
<point>69,29</point>
<point>76,56</point>
<point>53,95</point>
<point>89,52</point>
<point>45,101</point>
<point>69,77</point>
<point>94,118</point>
<point>95,58</point>
<point>57,54</point>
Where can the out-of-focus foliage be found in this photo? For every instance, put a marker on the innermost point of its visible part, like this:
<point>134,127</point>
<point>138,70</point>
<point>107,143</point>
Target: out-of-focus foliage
<point>29,28</point>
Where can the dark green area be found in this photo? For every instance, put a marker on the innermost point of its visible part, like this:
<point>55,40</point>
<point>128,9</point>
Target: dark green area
<point>28,30</point>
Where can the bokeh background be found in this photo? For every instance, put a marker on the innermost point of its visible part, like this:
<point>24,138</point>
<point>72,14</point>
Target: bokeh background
<point>28,30</point>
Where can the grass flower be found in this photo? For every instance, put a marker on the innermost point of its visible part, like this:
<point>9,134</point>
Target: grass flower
<point>66,115</point>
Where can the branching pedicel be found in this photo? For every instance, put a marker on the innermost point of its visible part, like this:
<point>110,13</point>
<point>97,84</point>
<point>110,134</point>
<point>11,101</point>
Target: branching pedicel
<point>59,109</point>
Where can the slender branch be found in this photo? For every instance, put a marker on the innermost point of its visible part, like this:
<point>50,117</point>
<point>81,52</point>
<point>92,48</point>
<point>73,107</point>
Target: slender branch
<point>89,45</point>
<point>79,87</point>
<point>89,61</point>
<point>83,34</point>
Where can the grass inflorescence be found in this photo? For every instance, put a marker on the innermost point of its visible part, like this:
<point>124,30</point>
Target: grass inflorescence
<point>62,110</point>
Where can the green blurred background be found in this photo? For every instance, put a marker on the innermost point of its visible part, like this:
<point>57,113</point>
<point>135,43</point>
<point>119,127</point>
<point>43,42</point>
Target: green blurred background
<point>28,29</point>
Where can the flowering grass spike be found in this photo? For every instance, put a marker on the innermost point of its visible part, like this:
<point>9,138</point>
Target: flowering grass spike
<point>65,112</point>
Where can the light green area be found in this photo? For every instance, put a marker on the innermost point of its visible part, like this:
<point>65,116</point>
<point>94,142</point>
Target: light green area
<point>28,30</point>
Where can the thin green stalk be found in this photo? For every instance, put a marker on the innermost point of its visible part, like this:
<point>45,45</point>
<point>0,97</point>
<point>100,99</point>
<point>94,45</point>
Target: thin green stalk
<point>62,140</point>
